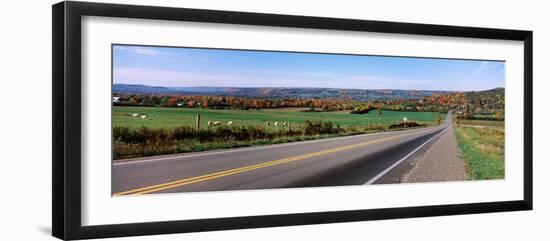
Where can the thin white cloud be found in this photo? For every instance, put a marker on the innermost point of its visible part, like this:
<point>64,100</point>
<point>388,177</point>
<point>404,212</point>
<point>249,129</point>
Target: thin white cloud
<point>141,50</point>
<point>147,51</point>
<point>485,66</point>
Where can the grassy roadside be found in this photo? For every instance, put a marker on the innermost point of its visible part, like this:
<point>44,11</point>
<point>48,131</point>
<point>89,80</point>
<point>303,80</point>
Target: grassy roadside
<point>126,150</point>
<point>123,150</point>
<point>485,123</point>
<point>483,151</point>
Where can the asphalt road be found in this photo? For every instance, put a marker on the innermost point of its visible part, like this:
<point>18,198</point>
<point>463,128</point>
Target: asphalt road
<point>353,160</point>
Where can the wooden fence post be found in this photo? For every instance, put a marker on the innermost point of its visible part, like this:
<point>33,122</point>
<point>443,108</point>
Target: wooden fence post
<point>198,124</point>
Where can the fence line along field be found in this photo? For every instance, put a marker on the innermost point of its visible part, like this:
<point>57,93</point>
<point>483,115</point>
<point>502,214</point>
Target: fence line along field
<point>166,118</point>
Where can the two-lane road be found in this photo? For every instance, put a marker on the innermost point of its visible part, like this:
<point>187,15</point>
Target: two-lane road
<point>352,160</point>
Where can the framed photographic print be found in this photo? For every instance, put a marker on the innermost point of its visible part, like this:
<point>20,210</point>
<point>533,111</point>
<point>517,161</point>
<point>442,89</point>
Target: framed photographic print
<point>170,120</point>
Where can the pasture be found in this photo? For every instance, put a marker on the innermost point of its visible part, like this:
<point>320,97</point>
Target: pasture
<point>167,118</point>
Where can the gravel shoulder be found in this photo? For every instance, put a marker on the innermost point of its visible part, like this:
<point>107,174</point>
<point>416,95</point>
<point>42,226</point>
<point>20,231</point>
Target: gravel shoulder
<point>440,162</point>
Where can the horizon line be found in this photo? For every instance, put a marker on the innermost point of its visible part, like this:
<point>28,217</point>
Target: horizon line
<point>497,87</point>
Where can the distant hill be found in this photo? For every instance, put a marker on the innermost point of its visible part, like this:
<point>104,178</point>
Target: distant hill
<point>496,93</point>
<point>279,93</point>
<point>486,102</point>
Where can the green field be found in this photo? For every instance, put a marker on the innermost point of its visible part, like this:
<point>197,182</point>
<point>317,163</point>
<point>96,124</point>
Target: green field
<point>162,117</point>
<point>483,150</point>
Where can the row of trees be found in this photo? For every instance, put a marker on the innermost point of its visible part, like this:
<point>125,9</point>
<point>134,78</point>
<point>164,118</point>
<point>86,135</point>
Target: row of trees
<point>234,102</point>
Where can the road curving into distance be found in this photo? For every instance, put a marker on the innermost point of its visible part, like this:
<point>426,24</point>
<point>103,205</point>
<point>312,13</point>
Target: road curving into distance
<point>352,160</point>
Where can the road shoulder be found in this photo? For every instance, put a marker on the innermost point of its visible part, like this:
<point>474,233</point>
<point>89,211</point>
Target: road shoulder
<point>439,162</point>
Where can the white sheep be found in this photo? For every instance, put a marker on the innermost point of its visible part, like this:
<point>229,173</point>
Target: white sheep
<point>209,123</point>
<point>217,123</point>
<point>143,116</point>
<point>230,123</point>
<point>134,115</point>
<point>285,123</point>
<point>267,123</point>
<point>276,123</point>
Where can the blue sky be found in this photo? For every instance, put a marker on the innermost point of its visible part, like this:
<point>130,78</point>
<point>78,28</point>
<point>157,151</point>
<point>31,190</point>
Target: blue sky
<point>193,67</point>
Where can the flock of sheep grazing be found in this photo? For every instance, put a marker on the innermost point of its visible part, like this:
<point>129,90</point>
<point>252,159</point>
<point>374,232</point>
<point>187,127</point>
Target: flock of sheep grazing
<point>219,123</point>
<point>276,123</point>
<point>142,116</point>
<point>267,123</point>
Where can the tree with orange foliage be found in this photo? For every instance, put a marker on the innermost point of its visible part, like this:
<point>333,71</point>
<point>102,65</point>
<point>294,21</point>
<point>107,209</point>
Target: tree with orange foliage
<point>172,101</point>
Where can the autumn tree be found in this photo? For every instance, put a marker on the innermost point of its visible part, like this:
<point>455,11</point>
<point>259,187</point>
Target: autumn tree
<point>172,101</point>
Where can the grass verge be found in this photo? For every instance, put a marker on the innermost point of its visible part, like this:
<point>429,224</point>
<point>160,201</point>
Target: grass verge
<point>123,150</point>
<point>483,151</point>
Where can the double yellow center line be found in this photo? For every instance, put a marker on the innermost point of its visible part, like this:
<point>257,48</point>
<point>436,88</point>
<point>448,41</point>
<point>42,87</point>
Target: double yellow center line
<point>187,181</point>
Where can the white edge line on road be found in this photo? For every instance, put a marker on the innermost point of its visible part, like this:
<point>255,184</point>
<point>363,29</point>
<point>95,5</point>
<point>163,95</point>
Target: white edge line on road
<point>374,179</point>
<point>256,148</point>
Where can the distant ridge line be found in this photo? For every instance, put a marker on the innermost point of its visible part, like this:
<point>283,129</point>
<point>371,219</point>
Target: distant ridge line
<point>283,92</point>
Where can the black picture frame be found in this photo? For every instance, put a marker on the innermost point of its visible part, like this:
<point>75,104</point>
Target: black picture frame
<point>66,127</point>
